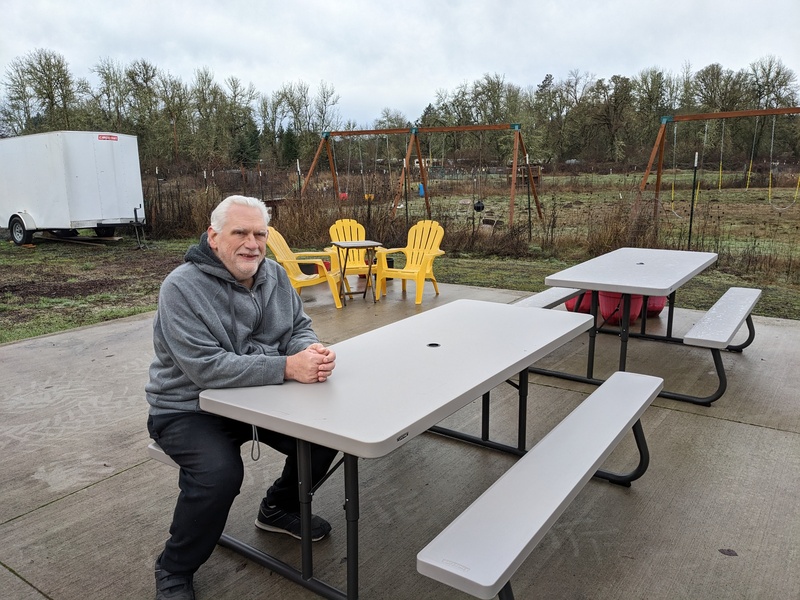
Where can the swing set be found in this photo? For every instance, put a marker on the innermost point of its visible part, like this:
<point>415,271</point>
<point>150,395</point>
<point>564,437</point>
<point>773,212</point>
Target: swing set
<point>326,143</point>
<point>657,154</point>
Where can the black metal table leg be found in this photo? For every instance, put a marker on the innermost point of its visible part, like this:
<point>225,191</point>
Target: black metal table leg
<point>304,471</point>
<point>592,335</point>
<point>351,508</point>
<point>343,267</point>
<point>624,330</point>
<point>483,439</point>
<point>522,419</point>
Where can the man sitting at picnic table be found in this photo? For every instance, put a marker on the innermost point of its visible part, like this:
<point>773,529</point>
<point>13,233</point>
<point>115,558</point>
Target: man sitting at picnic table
<point>227,317</point>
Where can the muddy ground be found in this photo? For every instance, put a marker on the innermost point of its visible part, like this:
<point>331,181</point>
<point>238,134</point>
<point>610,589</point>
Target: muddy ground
<point>80,283</point>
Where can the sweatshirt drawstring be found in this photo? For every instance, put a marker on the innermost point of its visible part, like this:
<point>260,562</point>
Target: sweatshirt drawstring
<point>233,319</point>
<point>255,449</point>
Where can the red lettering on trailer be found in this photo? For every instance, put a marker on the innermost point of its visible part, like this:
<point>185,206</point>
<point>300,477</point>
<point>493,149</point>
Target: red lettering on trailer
<point>112,138</point>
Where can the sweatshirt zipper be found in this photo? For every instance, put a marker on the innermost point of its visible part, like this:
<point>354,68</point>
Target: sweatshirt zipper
<point>259,310</point>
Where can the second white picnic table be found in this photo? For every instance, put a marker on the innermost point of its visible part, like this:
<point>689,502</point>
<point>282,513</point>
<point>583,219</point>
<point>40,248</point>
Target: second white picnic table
<point>648,272</point>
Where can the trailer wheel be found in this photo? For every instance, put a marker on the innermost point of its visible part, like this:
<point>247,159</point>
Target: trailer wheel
<point>104,231</point>
<point>19,234</point>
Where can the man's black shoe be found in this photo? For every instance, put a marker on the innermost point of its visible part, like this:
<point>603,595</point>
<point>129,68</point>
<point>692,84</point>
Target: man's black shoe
<point>172,587</point>
<point>272,518</point>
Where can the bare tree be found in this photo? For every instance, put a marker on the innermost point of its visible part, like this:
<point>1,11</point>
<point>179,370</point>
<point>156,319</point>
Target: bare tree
<point>326,116</point>
<point>653,97</point>
<point>613,103</point>
<point>719,89</point>
<point>650,93</point>
<point>489,99</point>
<point>395,145</point>
<point>43,94</point>
<point>18,110</point>
<point>210,142</point>
<point>241,123</point>
<point>111,100</point>
<point>576,86</point>
<point>174,97</point>
<point>686,93</point>
<point>772,83</point>
<point>142,76</point>
<point>272,112</point>
<point>298,101</point>
<point>562,105</point>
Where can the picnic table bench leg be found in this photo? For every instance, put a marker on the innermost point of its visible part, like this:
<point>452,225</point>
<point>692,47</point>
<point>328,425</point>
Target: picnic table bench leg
<point>751,335</point>
<point>701,401</point>
<point>625,334</point>
<point>644,460</point>
<point>706,401</point>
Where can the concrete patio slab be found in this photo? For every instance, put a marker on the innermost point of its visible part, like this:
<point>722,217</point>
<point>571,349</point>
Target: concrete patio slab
<point>84,511</point>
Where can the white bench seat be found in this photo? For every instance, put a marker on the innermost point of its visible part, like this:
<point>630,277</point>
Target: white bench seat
<point>719,325</point>
<point>715,330</point>
<point>549,298</point>
<point>155,451</point>
<point>483,547</point>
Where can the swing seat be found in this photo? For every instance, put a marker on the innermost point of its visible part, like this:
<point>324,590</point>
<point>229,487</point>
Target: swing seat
<point>291,262</point>
<point>422,248</point>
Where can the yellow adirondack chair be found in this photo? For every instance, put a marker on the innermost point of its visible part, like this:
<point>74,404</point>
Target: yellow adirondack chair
<point>291,261</point>
<point>423,246</point>
<point>350,230</point>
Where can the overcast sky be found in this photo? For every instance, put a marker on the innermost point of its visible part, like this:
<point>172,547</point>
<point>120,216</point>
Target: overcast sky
<point>379,54</point>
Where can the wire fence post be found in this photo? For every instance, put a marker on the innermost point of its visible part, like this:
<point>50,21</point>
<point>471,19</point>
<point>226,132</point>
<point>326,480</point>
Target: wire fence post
<point>691,206</point>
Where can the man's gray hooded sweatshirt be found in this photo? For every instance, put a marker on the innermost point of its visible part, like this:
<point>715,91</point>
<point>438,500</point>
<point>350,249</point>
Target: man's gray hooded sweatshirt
<point>212,332</point>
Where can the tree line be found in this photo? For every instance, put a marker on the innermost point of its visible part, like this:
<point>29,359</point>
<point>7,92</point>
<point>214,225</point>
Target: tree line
<point>205,124</point>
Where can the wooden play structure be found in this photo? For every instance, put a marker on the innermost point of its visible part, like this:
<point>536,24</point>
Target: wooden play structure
<point>657,154</point>
<point>326,143</point>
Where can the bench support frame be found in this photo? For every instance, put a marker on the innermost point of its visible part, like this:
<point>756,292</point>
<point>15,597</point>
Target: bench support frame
<point>483,440</point>
<point>625,334</point>
<point>623,479</point>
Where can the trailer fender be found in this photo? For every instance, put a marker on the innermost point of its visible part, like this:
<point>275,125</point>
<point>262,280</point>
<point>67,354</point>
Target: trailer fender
<point>27,219</point>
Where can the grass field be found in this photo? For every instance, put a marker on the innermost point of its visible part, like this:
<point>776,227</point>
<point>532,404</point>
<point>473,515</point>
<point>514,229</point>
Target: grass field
<point>55,285</point>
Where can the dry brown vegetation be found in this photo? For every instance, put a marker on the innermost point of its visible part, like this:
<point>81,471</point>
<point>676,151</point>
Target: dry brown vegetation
<point>57,285</point>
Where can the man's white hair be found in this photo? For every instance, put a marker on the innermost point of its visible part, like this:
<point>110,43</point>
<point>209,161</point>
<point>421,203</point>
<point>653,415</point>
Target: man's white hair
<point>220,214</point>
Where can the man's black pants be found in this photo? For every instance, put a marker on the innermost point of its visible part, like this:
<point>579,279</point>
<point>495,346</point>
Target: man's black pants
<point>208,449</point>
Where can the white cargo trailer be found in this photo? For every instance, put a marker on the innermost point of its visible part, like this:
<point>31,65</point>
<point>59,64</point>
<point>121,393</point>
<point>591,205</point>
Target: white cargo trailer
<point>67,180</point>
